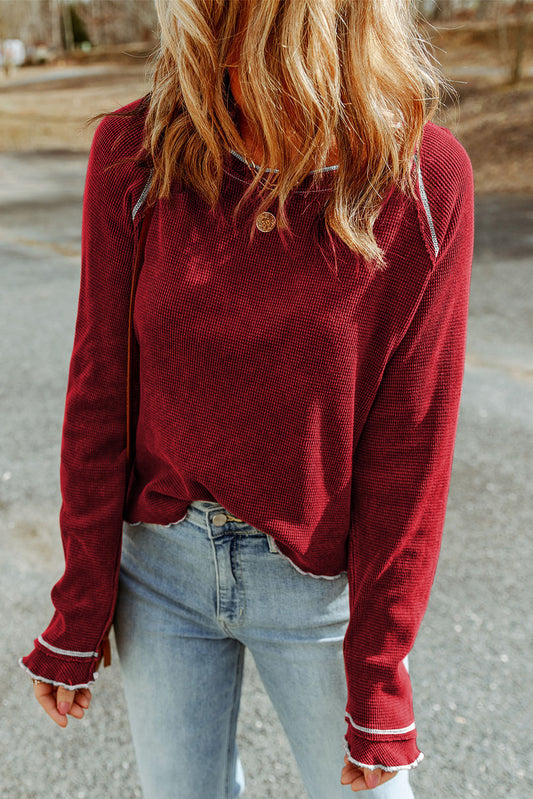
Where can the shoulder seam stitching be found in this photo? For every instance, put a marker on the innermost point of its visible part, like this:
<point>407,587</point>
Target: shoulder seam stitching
<point>143,196</point>
<point>425,203</point>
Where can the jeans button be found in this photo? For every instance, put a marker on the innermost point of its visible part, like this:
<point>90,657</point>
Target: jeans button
<point>219,519</point>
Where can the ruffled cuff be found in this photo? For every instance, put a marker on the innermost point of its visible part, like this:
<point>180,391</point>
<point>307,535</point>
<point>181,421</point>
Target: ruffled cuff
<point>389,754</point>
<point>71,670</point>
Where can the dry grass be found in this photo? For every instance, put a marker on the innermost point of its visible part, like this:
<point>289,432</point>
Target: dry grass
<point>494,125</point>
<point>53,114</point>
<point>492,119</point>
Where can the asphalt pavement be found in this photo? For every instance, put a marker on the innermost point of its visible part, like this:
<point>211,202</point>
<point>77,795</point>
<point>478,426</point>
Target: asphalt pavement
<point>472,664</point>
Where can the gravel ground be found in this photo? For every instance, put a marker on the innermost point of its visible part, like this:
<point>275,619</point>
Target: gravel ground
<point>472,657</point>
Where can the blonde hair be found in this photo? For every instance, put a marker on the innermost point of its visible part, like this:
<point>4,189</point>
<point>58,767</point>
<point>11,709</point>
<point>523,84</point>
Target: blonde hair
<point>354,73</point>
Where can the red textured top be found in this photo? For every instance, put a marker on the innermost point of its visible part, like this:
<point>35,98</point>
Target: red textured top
<point>320,410</point>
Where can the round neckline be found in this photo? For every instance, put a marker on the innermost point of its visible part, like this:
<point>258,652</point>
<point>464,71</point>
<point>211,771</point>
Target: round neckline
<point>269,169</point>
<point>239,167</point>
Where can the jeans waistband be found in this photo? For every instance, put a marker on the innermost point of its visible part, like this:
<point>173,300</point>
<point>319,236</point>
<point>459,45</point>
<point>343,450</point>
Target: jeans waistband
<point>210,516</point>
<point>216,516</point>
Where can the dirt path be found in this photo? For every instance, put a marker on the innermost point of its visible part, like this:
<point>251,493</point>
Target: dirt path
<point>49,111</point>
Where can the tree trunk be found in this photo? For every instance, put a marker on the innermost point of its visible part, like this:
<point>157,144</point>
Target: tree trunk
<point>521,32</point>
<point>54,13</point>
<point>483,9</point>
<point>68,33</point>
<point>443,10</point>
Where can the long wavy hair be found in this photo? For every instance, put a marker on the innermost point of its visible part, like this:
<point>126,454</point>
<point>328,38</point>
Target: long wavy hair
<point>354,74</point>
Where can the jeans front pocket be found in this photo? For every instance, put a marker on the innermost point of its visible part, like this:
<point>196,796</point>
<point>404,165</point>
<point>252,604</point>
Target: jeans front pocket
<point>272,544</point>
<point>155,526</point>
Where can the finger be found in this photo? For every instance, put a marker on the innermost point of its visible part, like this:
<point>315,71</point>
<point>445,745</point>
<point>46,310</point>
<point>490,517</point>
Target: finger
<point>359,784</point>
<point>79,705</point>
<point>375,777</point>
<point>77,711</point>
<point>349,773</point>
<point>372,777</point>
<point>351,765</point>
<point>64,700</point>
<point>83,697</point>
<point>353,776</point>
<point>361,779</point>
<point>45,695</point>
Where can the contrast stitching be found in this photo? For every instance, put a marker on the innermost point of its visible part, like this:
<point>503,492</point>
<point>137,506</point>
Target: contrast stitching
<point>268,169</point>
<point>68,652</point>
<point>272,544</point>
<point>232,723</point>
<point>143,196</point>
<point>316,190</point>
<point>239,583</point>
<point>407,767</point>
<point>425,203</point>
<point>380,732</point>
<point>157,524</point>
<point>217,576</point>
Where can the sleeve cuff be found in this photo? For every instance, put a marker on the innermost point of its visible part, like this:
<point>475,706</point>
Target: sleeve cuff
<point>70,672</point>
<point>388,755</point>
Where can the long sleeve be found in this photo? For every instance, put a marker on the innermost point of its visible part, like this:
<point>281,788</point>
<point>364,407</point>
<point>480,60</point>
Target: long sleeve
<point>401,476</point>
<point>93,444</point>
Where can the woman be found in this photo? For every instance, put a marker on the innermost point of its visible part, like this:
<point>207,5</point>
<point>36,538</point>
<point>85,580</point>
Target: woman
<point>301,324</point>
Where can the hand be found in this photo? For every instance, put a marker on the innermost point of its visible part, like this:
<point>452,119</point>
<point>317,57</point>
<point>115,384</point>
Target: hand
<point>363,779</point>
<point>58,702</point>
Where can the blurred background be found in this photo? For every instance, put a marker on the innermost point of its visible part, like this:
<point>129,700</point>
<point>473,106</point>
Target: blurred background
<point>63,61</point>
<point>472,665</point>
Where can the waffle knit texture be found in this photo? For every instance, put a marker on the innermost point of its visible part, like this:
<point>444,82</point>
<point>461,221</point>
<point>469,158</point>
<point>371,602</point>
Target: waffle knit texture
<point>320,410</point>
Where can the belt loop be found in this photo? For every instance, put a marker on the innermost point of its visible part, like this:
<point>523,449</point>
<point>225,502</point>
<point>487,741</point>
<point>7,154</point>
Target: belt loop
<point>271,543</point>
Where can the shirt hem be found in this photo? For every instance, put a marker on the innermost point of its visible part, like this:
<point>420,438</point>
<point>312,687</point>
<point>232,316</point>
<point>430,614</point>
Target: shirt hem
<point>56,682</point>
<point>406,767</point>
<point>135,524</point>
<point>308,574</point>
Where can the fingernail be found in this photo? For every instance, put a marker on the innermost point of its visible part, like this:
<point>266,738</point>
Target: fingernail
<point>374,780</point>
<point>63,708</point>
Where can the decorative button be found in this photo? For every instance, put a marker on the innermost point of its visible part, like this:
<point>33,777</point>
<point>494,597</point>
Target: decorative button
<point>265,222</point>
<point>219,519</point>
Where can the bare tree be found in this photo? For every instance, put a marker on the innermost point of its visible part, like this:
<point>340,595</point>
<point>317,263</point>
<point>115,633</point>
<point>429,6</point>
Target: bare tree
<point>512,38</point>
<point>117,21</point>
<point>68,33</point>
<point>54,23</point>
<point>443,10</point>
<point>484,9</point>
<point>50,21</point>
<point>520,39</point>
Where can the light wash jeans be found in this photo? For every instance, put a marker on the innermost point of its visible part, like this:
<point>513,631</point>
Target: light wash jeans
<point>192,596</point>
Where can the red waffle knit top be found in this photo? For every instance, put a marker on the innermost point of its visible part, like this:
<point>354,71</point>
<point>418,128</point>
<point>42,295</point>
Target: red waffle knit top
<point>319,409</point>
